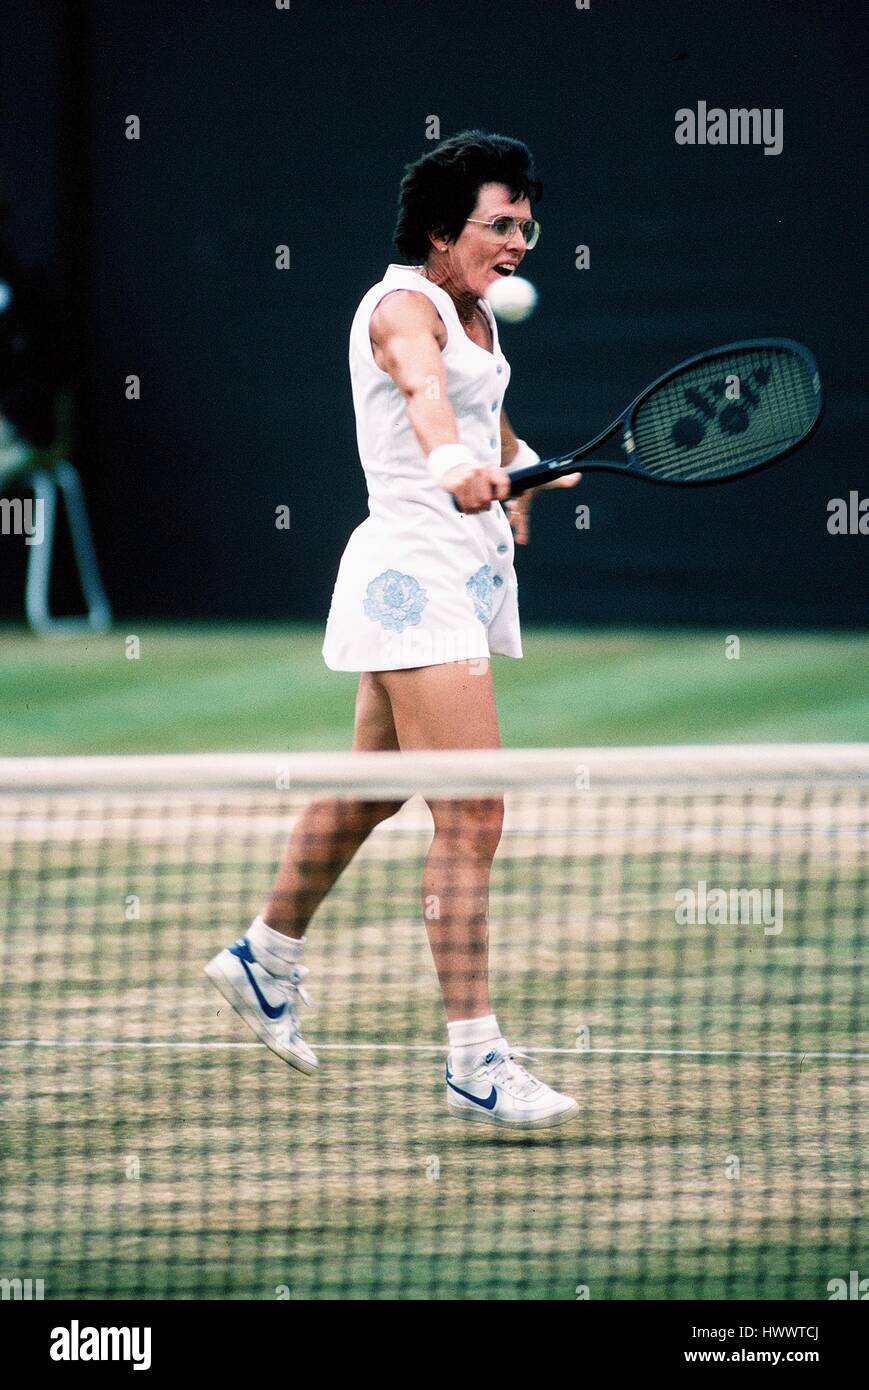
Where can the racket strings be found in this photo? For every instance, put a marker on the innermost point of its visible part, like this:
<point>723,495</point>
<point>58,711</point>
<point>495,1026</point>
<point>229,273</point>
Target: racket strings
<point>726,415</point>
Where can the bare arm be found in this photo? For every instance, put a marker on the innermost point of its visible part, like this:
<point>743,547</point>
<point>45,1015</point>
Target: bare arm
<point>407,334</point>
<point>517,507</point>
<point>407,338</point>
<point>509,441</point>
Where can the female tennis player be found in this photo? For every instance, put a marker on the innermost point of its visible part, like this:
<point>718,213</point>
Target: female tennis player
<point>426,591</point>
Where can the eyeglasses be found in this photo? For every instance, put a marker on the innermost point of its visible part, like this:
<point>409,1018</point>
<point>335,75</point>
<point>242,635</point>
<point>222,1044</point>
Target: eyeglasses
<point>502,228</point>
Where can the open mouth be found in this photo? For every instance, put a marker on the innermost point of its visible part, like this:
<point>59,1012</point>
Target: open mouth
<point>505,267</point>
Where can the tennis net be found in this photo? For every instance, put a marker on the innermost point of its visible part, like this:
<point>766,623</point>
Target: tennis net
<point>676,937</point>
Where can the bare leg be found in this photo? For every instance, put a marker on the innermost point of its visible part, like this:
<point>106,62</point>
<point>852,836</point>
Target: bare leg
<point>330,831</point>
<point>453,706</point>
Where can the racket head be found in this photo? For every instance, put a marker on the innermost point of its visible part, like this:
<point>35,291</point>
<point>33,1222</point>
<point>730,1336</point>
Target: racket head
<point>725,413</point>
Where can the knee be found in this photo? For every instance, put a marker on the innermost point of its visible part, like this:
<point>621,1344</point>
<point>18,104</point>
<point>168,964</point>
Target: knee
<point>351,821</point>
<point>474,826</point>
<point>482,824</point>
<point>373,812</point>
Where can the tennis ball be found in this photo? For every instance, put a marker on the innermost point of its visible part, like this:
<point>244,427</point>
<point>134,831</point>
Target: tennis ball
<point>512,299</point>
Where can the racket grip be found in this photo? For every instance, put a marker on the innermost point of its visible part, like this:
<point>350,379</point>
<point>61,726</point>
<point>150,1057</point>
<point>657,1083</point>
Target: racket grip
<point>536,474</point>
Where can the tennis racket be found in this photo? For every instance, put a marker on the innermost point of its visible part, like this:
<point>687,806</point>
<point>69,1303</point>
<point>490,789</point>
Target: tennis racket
<point>717,416</point>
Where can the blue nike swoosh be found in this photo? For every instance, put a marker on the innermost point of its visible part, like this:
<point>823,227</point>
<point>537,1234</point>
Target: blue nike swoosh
<point>242,950</point>
<point>487,1102</point>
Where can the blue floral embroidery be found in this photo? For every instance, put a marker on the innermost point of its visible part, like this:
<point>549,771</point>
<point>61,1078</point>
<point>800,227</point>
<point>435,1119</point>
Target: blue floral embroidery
<point>395,601</point>
<point>480,587</point>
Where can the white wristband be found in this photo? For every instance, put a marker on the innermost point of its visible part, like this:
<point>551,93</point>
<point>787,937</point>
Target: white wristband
<point>447,456</point>
<point>524,455</point>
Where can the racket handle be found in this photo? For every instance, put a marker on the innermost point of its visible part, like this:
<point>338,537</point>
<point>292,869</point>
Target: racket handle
<point>536,474</point>
<point>533,475</point>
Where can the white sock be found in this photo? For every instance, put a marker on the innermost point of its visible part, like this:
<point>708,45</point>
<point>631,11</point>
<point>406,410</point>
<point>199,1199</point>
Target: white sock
<point>275,952</point>
<point>471,1039</point>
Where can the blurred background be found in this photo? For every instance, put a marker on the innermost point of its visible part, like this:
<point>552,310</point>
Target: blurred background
<point>155,258</point>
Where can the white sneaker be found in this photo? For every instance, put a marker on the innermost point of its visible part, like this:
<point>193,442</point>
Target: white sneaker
<point>267,1003</point>
<point>502,1092</point>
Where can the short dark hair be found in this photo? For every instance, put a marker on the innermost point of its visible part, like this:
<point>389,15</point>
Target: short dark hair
<point>439,190</point>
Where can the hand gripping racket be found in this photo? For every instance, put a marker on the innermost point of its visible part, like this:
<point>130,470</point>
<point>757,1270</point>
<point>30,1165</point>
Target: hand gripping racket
<point>716,416</point>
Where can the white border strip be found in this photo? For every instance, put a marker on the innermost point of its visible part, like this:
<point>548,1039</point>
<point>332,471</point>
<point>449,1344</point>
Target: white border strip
<point>461,772</point>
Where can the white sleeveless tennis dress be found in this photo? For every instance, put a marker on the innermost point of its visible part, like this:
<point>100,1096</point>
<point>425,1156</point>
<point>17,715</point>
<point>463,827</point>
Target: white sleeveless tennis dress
<point>420,583</point>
